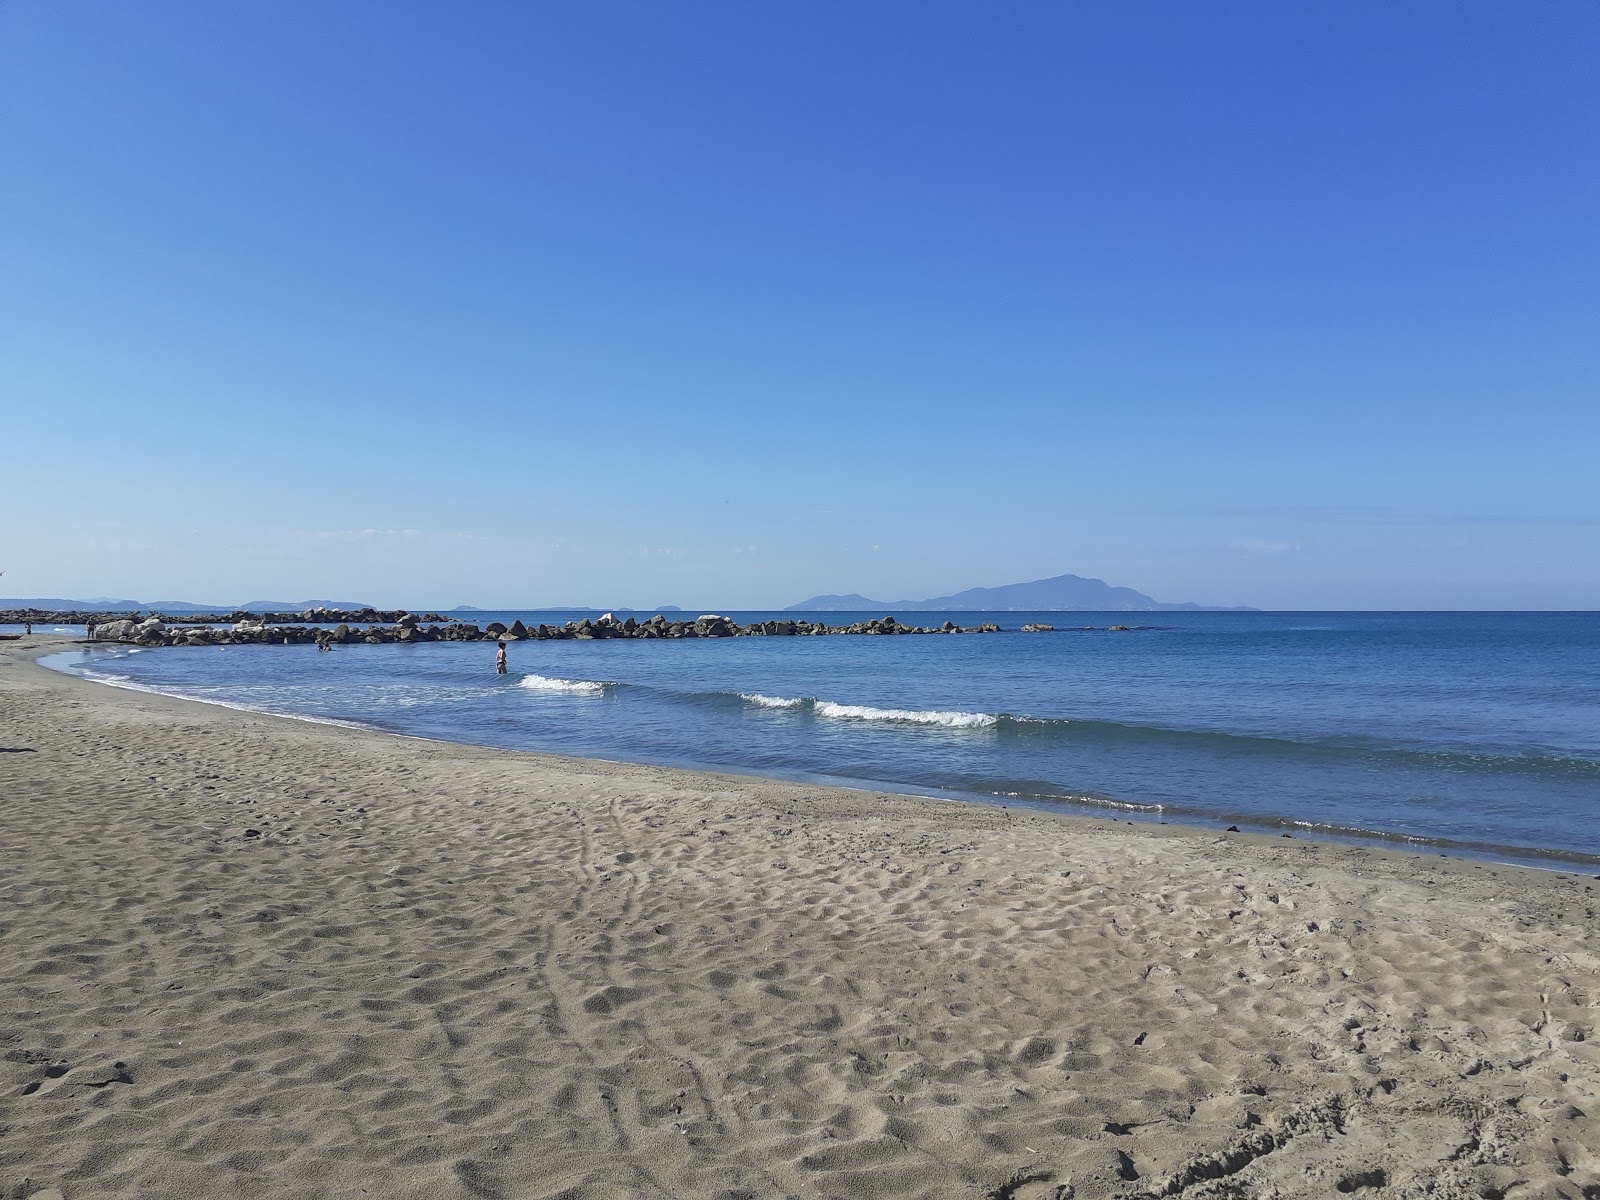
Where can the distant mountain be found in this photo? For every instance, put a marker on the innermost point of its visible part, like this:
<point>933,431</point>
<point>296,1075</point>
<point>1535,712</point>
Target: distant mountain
<point>854,602</point>
<point>56,604</point>
<point>175,607</point>
<point>1063,593</point>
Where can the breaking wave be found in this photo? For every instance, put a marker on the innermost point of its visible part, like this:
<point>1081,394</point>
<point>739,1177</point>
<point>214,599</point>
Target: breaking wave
<point>543,683</point>
<point>761,701</point>
<point>866,712</point>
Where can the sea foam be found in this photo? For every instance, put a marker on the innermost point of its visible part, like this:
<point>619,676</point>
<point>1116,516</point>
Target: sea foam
<point>761,701</point>
<point>863,712</point>
<point>541,683</point>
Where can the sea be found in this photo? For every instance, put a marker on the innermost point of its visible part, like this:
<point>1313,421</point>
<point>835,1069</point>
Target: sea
<point>1472,734</point>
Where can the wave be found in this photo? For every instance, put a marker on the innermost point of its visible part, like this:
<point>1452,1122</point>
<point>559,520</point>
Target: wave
<point>1052,796</point>
<point>867,712</point>
<point>761,701</point>
<point>542,683</point>
<point>1500,760</point>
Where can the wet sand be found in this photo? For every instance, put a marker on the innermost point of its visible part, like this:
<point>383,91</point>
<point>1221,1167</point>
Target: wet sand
<point>247,956</point>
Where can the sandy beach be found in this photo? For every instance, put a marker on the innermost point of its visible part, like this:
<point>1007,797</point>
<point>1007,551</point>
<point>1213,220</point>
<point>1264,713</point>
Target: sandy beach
<point>247,956</point>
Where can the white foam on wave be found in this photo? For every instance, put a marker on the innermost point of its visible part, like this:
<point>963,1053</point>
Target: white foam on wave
<point>541,683</point>
<point>126,683</point>
<point>772,701</point>
<point>863,712</point>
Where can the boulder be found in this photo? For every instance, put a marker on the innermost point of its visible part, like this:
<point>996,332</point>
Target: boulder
<point>1038,628</point>
<point>116,631</point>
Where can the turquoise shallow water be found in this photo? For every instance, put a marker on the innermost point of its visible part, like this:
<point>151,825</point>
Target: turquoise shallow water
<point>1463,732</point>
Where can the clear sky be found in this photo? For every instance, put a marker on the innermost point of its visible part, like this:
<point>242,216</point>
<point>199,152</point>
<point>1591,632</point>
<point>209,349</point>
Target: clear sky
<point>726,304</point>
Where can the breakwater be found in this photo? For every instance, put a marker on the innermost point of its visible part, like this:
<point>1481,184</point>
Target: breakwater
<point>410,628</point>
<point>310,616</point>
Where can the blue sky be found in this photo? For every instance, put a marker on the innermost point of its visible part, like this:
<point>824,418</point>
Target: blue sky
<point>727,304</point>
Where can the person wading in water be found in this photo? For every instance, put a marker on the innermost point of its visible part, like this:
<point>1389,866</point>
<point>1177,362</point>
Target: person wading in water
<point>500,659</point>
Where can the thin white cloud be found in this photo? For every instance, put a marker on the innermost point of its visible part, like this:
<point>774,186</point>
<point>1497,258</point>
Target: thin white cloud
<point>364,535</point>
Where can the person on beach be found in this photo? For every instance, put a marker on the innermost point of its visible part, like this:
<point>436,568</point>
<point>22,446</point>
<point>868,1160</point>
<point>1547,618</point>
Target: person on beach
<point>88,631</point>
<point>500,659</point>
<point>27,628</point>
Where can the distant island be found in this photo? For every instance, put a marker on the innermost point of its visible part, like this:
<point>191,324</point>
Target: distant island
<point>1062,593</point>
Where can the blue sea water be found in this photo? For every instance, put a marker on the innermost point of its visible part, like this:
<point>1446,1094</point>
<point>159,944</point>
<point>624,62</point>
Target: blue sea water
<point>1473,733</point>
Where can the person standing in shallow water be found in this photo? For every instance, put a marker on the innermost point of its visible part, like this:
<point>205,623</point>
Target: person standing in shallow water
<point>500,659</point>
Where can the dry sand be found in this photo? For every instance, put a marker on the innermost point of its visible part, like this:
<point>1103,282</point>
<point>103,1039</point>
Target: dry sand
<point>254,957</point>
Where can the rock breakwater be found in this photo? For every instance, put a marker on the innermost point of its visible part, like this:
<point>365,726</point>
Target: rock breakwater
<point>310,616</point>
<point>410,628</point>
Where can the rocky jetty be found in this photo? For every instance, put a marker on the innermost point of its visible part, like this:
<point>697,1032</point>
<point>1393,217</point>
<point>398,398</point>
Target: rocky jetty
<point>70,616</point>
<point>309,616</point>
<point>408,628</point>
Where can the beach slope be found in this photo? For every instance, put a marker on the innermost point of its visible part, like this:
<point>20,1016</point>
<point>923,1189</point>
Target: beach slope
<point>247,956</point>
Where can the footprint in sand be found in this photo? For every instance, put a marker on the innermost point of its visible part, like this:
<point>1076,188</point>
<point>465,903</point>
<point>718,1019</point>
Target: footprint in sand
<point>609,998</point>
<point>95,1077</point>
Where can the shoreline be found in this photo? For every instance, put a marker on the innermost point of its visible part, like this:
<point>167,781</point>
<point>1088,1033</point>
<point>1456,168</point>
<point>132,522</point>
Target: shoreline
<point>1082,806</point>
<point>261,956</point>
